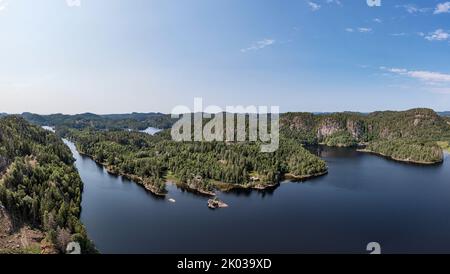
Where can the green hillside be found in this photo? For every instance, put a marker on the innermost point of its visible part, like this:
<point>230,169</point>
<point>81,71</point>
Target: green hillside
<point>39,184</point>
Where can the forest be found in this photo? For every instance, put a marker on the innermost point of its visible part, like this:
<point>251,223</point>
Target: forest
<point>197,165</point>
<point>408,150</point>
<point>403,135</point>
<point>39,184</point>
<point>411,135</point>
<point>133,121</point>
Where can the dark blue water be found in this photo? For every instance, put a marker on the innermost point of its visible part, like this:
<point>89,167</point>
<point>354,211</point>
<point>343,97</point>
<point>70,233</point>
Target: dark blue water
<point>364,198</point>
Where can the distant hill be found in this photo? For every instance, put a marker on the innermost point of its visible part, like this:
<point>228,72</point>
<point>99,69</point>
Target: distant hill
<point>135,116</point>
<point>348,128</point>
<point>410,136</point>
<point>135,121</point>
<point>444,113</point>
<point>344,128</point>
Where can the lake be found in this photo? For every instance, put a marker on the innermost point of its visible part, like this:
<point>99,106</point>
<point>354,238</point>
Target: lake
<point>364,198</point>
<point>151,130</point>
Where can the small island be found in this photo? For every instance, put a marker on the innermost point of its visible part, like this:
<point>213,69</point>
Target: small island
<point>216,203</point>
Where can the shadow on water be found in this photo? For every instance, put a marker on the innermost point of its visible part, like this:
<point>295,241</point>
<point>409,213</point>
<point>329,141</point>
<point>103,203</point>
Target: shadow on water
<point>333,152</point>
<point>246,192</point>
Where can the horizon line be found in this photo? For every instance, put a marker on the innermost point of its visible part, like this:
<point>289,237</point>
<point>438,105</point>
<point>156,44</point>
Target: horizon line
<point>164,113</point>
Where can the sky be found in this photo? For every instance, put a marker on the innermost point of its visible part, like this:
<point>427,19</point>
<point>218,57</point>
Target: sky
<point>118,56</point>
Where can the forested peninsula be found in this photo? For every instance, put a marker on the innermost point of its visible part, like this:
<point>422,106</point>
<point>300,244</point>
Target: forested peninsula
<point>200,166</point>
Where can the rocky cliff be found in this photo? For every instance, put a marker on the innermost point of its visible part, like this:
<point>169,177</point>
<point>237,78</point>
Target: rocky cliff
<point>361,128</point>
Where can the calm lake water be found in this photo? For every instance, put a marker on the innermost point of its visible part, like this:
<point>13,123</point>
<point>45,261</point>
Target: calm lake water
<point>364,198</point>
<point>151,130</point>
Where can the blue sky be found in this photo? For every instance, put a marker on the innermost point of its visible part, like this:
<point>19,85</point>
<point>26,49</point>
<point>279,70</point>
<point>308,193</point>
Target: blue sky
<point>112,56</point>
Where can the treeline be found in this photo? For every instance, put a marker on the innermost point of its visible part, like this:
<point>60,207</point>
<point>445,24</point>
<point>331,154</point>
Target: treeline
<point>348,128</point>
<point>133,121</point>
<point>39,184</point>
<point>332,129</point>
<point>408,150</point>
<point>403,135</point>
<point>196,164</point>
<point>340,139</point>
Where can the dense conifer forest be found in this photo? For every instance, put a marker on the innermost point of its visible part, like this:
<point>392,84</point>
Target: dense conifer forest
<point>198,165</point>
<point>39,185</point>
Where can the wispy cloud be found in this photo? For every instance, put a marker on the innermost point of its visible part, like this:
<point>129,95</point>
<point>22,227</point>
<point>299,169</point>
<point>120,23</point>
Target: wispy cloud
<point>259,45</point>
<point>378,20</point>
<point>3,5</point>
<point>435,82</point>
<point>429,77</point>
<point>411,8</point>
<point>314,6</point>
<point>437,35</point>
<point>364,30</point>
<point>398,34</point>
<point>337,2</point>
<point>361,29</point>
<point>442,8</point>
<point>73,3</point>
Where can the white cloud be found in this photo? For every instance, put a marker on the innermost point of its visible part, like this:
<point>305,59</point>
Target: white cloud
<point>73,3</point>
<point>395,70</point>
<point>337,2</point>
<point>398,34</point>
<point>430,77</point>
<point>437,35</point>
<point>314,6</point>
<point>378,20</point>
<point>364,30</point>
<point>410,8</point>
<point>442,8</point>
<point>259,45</point>
<point>435,82</point>
<point>3,5</point>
